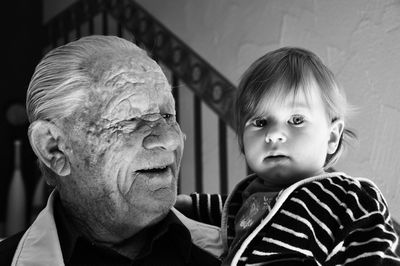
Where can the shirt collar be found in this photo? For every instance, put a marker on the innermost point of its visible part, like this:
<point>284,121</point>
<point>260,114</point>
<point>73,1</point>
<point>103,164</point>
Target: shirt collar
<point>67,232</point>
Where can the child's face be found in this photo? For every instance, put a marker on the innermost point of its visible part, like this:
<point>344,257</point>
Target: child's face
<point>291,138</point>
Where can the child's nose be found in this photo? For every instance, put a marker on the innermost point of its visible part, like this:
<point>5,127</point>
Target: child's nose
<point>275,134</point>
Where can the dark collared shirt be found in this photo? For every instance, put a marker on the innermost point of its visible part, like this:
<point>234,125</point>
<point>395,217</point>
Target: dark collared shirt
<point>167,243</point>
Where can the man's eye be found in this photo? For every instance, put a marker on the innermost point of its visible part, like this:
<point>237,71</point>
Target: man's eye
<point>168,116</point>
<point>259,122</point>
<point>296,120</point>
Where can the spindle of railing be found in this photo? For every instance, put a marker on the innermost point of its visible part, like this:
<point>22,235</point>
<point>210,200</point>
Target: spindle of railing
<point>198,147</point>
<point>104,22</point>
<point>223,156</point>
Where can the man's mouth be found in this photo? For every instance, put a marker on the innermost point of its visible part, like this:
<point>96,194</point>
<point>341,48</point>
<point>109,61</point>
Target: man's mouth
<point>155,170</point>
<point>158,177</point>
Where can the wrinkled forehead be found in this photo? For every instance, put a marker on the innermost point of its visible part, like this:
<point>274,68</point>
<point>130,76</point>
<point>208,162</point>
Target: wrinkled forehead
<point>130,66</point>
<point>129,84</point>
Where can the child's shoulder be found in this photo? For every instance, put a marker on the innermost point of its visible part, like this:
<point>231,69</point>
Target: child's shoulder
<point>339,180</point>
<point>341,186</point>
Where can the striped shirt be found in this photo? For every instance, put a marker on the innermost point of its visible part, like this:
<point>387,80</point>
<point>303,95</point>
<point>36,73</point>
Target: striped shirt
<point>332,219</point>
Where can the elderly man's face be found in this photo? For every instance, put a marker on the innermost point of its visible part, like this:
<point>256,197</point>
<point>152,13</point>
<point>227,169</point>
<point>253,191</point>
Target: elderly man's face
<point>126,143</point>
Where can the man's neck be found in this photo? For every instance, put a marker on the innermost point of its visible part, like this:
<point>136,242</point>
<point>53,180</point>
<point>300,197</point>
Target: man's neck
<point>87,224</point>
<point>70,233</point>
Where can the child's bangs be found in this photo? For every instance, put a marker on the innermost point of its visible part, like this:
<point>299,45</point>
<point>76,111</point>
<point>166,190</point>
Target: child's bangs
<point>286,86</point>
<point>275,94</point>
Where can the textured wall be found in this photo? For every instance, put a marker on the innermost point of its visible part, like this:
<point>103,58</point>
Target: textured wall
<point>358,40</point>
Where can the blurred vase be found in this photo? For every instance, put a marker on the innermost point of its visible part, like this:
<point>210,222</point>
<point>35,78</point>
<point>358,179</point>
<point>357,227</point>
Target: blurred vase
<point>16,203</point>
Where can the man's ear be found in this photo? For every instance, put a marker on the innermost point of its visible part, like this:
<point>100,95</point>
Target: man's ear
<point>48,143</point>
<point>336,131</point>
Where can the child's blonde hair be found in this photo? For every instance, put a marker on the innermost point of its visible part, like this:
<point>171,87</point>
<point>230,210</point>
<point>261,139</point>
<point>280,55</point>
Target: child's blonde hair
<point>286,71</point>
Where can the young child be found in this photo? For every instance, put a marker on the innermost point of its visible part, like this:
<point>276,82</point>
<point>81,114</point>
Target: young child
<point>291,127</point>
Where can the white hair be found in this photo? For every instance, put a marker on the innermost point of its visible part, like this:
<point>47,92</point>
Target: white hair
<point>61,79</point>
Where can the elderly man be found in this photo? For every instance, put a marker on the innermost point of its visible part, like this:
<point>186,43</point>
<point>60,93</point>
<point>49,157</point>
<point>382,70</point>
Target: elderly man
<point>103,128</point>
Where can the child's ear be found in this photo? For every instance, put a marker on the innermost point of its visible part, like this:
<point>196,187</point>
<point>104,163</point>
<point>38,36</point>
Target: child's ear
<point>336,131</point>
<point>48,143</point>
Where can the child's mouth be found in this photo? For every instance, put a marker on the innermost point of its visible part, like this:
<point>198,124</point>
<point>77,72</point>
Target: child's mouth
<point>276,158</point>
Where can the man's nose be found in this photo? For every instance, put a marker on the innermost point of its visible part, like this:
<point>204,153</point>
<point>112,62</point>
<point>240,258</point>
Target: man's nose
<point>163,136</point>
<point>275,134</point>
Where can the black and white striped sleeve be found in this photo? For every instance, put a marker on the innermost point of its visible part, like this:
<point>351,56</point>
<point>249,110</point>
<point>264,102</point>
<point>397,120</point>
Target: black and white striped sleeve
<point>207,208</point>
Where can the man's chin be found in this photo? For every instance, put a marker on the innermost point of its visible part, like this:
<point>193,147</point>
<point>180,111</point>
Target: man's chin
<point>153,202</point>
<point>162,200</point>
<point>165,196</point>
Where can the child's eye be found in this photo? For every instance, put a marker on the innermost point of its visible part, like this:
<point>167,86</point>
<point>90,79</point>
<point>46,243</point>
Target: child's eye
<point>296,120</point>
<point>259,122</point>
